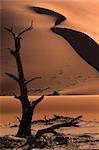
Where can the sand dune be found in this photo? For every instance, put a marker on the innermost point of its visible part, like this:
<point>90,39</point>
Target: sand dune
<point>82,43</point>
<point>43,52</point>
<point>86,85</point>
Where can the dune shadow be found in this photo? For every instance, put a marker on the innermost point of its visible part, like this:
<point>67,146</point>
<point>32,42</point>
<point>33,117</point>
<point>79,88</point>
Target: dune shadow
<point>59,17</point>
<point>84,45</point>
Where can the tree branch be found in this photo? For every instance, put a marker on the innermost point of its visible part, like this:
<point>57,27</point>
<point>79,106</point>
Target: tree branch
<point>12,52</point>
<point>17,97</point>
<point>34,103</point>
<point>27,29</point>
<point>11,31</point>
<point>12,76</point>
<point>32,79</point>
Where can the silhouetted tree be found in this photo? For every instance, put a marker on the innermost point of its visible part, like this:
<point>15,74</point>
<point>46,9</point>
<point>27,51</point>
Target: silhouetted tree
<point>27,106</point>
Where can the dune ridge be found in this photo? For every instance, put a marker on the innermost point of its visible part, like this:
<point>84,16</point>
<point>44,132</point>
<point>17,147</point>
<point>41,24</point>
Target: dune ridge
<point>81,42</point>
<point>59,17</point>
<point>81,17</point>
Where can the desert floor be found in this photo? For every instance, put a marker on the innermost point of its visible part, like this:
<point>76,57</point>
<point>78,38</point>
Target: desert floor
<point>84,137</point>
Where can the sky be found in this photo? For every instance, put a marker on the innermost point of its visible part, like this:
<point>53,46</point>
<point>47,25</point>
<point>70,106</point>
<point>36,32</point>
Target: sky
<point>44,53</point>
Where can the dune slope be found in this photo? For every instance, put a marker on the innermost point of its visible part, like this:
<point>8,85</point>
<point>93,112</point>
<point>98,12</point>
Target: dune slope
<point>84,45</point>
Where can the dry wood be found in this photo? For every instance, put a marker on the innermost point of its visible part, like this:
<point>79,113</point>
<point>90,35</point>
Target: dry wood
<point>51,129</point>
<point>27,109</point>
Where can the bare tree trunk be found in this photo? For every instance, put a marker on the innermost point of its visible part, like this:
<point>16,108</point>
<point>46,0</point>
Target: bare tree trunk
<point>27,107</point>
<point>25,122</point>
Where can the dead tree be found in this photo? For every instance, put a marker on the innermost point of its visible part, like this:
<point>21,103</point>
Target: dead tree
<point>27,106</point>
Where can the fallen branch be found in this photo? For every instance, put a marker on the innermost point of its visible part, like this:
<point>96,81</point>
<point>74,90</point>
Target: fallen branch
<point>52,120</point>
<point>61,117</point>
<point>51,129</point>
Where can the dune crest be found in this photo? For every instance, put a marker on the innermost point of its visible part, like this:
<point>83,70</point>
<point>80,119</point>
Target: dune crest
<point>59,17</point>
<point>82,43</point>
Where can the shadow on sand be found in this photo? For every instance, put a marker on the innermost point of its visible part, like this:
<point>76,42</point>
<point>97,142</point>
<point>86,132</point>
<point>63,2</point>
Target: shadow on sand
<point>59,17</point>
<point>85,46</point>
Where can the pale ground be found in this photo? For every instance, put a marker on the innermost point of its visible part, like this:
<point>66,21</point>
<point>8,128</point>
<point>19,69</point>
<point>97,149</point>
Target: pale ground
<point>79,136</point>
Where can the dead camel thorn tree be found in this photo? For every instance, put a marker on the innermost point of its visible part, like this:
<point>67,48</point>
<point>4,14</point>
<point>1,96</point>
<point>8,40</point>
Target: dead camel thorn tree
<point>27,106</point>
